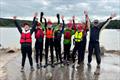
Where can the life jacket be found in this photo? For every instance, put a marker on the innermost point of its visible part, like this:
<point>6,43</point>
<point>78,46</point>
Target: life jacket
<point>25,37</point>
<point>67,35</point>
<point>49,33</point>
<point>78,36</point>
<point>39,34</point>
<point>57,34</point>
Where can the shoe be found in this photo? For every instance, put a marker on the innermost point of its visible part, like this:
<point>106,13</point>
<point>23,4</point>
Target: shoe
<point>78,66</point>
<point>98,66</point>
<point>32,69</point>
<point>73,65</point>
<point>89,65</point>
<point>52,65</point>
<point>45,65</point>
<point>22,69</point>
<point>68,62</point>
<point>56,63</point>
<point>64,62</point>
<point>40,65</point>
<point>37,66</point>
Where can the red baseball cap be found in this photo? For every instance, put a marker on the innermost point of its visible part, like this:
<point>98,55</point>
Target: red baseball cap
<point>80,26</point>
<point>49,22</point>
<point>69,24</point>
<point>38,24</point>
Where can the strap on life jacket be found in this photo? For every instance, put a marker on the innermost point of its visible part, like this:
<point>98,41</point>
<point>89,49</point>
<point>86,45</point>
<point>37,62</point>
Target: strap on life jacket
<point>25,38</point>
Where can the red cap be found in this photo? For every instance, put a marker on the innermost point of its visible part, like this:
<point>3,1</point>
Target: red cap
<point>49,22</point>
<point>80,26</point>
<point>69,24</point>
<point>38,24</point>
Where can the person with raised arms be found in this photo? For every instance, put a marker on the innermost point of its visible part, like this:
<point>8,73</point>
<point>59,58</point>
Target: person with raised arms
<point>26,41</point>
<point>39,36</point>
<point>95,28</point>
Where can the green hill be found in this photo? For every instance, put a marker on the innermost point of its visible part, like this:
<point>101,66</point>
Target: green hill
<point>114,24</point>
<point>10,22</point>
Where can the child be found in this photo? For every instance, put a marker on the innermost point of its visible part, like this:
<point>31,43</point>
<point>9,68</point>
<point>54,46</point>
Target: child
<point>68,32</point>
<point>57,39</point>
<point>85,27</point>
<point>49,42</point>
<point>39,36</point>
<point>26,41</point>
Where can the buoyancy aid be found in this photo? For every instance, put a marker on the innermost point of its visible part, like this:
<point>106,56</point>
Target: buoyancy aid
<point>67,35</point>
<point>39,33</point>
<point>78,36</point>
<point>25,37</point>
<point>57,34</point>
<point>49,33</point>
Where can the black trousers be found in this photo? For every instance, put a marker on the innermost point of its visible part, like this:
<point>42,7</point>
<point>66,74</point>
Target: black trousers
<point>67,51</point>
<point>94,47</point>
<point>57,46</point>
<point>83,48</point>
<point>26,50</point>
<point>78,47</point>
<point>49,43</point>
<point>39,50</point>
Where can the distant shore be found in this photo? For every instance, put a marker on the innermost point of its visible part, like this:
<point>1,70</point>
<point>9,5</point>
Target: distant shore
<point>4,22</point>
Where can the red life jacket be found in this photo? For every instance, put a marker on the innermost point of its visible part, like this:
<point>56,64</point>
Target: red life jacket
<point>39,34</point>
<point>67,35</point>
<point>49,33</point>
<point>25,38</point>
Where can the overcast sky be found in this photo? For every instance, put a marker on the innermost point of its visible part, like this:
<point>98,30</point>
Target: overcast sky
<point>25,9</point>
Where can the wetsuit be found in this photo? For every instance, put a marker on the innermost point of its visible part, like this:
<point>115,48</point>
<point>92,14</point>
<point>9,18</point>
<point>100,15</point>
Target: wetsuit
<point>26,45</point>
<point>94,41</point>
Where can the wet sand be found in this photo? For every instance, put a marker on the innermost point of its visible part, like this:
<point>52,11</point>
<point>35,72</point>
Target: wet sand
<point>5,58</point>
<point>110,70</point>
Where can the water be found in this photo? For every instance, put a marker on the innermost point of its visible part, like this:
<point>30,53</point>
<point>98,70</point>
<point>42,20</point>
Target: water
<point>109,38</point>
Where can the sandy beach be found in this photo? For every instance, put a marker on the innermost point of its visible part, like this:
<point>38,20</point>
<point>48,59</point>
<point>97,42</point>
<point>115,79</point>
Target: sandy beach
<point>10,69</point>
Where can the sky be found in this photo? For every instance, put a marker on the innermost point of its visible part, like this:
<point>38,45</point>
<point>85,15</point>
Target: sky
<point>25,9</point>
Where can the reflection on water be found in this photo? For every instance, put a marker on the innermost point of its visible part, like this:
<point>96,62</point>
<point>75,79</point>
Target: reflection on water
<point>64,73</point>
<point>96,74</point>
<point>108,70</point>
<point>108,38</point>
<point>24,77</point>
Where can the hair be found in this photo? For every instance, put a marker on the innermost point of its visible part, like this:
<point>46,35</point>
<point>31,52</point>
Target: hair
<point>25,24</point>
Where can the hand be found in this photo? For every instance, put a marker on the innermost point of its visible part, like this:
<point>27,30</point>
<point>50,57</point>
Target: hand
<point>36,14</point>
<point>85,12</point>
<point>42,14</point>
<point>113,15</point>
<point>62,17</point>
<point>73,17</point>
<point>58,16</point>
<point>14,17</point>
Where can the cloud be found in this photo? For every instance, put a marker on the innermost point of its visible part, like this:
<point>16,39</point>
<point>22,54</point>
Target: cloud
<point>3,3</point>
<point>43,2</point>
<point>68,8</point>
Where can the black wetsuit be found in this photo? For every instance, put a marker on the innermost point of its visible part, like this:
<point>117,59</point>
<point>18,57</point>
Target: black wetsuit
<point>26,48</point>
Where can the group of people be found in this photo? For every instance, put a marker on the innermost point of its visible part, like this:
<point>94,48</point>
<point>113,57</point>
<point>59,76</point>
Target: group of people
<point>52,33</point>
